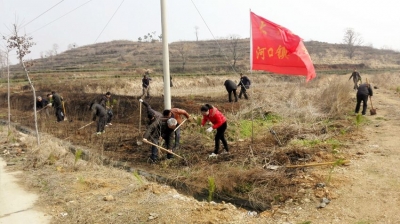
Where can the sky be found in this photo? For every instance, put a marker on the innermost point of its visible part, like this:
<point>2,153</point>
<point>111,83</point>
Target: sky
<point>85,22</point>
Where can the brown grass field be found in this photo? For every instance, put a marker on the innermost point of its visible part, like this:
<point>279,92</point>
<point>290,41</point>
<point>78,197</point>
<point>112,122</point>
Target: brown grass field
<point>285,122</point>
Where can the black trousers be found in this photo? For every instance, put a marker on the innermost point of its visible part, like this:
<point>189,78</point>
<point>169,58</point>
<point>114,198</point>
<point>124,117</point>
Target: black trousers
<point>243,91</point>
<point>109,115</point>
<point>59,114</point>
<point>220,136</point>
<point>101,123</point>
<point>364,100</point>
<point>234,94</point>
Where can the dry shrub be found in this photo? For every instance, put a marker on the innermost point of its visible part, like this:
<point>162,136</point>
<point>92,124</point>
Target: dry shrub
<point>335,99</point>
<point>387,80</point>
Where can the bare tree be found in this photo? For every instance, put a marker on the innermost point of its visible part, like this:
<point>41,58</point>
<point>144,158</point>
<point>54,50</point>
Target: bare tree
<point>55,49</point>
<point>183,50</point>
<point>234,49</point>
<point>72,46</point>
<point>149,37</point>
<point>22,44</point>
<point>352,40</point>
<point>196,31</point>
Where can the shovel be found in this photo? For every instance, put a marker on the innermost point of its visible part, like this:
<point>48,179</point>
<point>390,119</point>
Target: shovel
<point>139,142</point>
<point>372,110</point>
<point>164,149</point>
<point>65,116</point>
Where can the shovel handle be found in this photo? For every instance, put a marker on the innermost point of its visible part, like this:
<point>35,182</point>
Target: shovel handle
<point>169,151</point>
<point>180,125</point>
<point>85,125</point>
<point>370,98</point>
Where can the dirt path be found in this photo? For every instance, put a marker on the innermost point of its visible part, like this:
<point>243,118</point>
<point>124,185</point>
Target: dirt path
<point>372,191</point>
<point>16,204</point>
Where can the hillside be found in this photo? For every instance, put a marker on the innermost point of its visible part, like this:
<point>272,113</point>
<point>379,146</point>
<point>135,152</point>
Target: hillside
<point>214,56</point>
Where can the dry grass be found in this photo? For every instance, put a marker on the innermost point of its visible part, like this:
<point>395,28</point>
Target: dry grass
<point>307,116</point>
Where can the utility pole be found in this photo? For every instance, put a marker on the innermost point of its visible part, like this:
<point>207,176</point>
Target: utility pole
<point>167,90</point>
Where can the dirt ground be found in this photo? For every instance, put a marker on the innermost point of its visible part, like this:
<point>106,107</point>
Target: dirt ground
<point>371,193</point>
<point>365,191</point>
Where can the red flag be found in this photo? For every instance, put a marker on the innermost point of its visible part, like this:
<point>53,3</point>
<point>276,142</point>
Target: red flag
<point>276,49</point>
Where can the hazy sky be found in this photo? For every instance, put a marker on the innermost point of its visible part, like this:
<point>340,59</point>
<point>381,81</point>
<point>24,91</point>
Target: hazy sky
<point>84,22</point>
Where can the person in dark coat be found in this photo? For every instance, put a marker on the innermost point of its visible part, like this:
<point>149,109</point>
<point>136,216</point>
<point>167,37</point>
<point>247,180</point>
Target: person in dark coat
<point>153,134</point>
<point>364,90</point>
<point>99,111</point>
<point>146,85</point>
<point>151,113</point>
<point>167,134</point>
<point>105,102</point>
<point>177,114</point>
<point>42,104</point>
<point>57,104</point>
<point>231,88</point>
<point>244,84</point>
<point>356,78</point>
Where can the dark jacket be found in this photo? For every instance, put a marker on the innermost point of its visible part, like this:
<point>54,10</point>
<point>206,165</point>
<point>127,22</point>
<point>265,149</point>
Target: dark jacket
<point>167,134</point>
<point>151,112</point>
<point>365,90</point>
<point>41,104</point>
<point>356,76</point>
<point>244,82</point>
<point>103,101</point>
<point>145,82</point>
<point>57,101</point>
<point>97,110</point>
<point>154,130</point>
<point>230,85</point>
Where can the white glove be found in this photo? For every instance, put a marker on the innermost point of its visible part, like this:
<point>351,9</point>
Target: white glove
<point>140,100</point>
<point>49,104</point>
<point>209,129</point>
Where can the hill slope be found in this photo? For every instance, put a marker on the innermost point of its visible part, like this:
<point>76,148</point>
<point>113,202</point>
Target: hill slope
<point>215,56</point>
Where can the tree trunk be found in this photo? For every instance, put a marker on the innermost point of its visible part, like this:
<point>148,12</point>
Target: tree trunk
<point>34,102</point>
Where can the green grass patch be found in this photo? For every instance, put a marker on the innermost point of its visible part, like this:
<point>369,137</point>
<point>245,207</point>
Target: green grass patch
<point>247,127</point>
<point>334,143</point>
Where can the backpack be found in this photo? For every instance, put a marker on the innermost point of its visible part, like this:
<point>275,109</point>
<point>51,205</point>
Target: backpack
<point>247,83</point>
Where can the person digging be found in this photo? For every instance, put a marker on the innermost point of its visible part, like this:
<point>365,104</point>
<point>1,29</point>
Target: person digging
<point>99,111</point>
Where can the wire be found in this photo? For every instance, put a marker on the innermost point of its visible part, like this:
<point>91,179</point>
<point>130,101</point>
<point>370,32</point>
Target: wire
<point>215,39</point>
<point>109,21</point>
<point>41,14</point>
<point>62,16</point>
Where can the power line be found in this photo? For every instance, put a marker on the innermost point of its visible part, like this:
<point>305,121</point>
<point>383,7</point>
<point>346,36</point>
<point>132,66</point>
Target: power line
<point>219,46</point>
<point>41,14</point>
<point>109,21</point>
<point>62,16</point>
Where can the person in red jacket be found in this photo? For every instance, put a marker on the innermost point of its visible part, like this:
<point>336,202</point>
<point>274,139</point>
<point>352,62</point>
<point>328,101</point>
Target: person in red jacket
<point>218,120</point>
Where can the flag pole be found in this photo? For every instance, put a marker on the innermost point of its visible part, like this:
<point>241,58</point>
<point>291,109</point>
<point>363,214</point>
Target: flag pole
<point>251,46</point>
<point>251,72</point>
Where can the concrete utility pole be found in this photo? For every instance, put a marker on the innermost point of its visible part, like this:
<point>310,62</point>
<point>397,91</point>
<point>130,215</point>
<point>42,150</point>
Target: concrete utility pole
<point>167,90</point>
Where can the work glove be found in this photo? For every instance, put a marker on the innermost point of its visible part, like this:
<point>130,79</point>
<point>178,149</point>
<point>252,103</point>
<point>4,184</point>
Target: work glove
<point>140,100</point>
<point>209,129</point>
